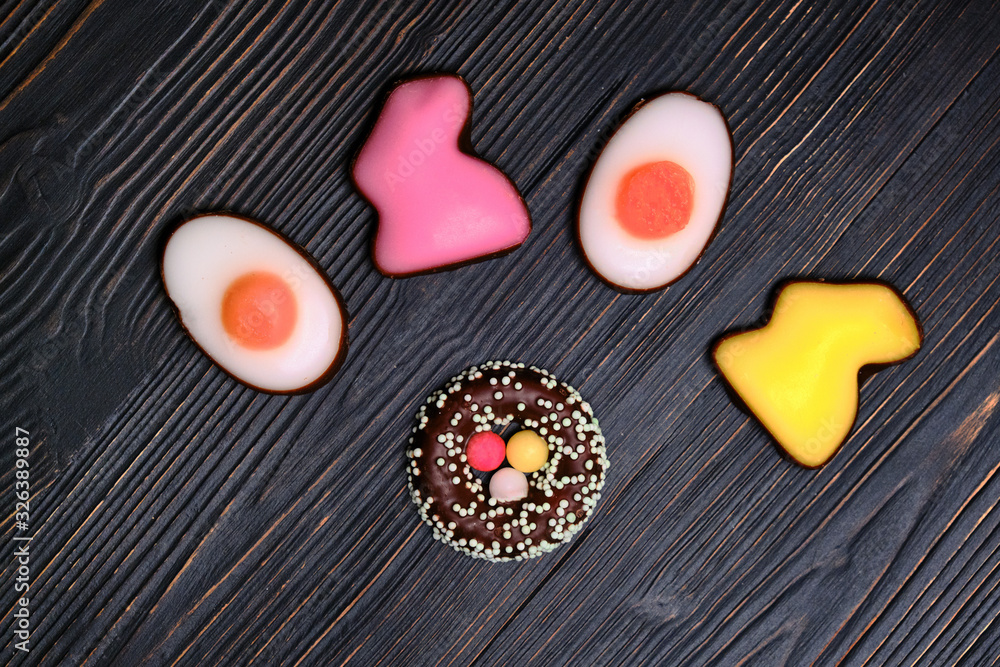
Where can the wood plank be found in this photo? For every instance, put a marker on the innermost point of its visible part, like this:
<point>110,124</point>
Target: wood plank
<point>183,519</point>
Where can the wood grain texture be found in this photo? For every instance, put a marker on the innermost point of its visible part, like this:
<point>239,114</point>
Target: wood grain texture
<point>182,519</point>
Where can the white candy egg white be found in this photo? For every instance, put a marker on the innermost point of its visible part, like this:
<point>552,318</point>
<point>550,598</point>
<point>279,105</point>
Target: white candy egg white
<point>677,127</point>
<point>201,260</point>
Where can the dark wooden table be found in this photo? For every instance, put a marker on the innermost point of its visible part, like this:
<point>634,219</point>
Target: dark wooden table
<point>180,518</point>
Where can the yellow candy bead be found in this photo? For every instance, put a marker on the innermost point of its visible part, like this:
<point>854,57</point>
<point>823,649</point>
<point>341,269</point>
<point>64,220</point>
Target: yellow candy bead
<point>527,451</point>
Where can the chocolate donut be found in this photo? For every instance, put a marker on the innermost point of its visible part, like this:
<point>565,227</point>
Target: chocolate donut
<point>561,495</point>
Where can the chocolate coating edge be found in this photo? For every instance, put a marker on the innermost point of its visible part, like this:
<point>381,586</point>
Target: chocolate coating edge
<point>864,372</point>
<point>715,227</point>
<point>464,146</point>
<point>337,361</point>
<point>561,496</point>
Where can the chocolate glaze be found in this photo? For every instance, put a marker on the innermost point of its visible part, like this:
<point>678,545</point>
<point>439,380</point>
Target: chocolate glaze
<point>565,487</point>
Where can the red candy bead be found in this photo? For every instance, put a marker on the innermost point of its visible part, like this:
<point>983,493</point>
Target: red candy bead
<point>485,451</point>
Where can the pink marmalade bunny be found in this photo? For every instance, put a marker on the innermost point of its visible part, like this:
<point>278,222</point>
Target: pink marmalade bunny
<point>438,207</point>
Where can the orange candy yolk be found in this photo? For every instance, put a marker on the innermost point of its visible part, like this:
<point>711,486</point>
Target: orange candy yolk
<point>258,311</point>
<point>655,200</point>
